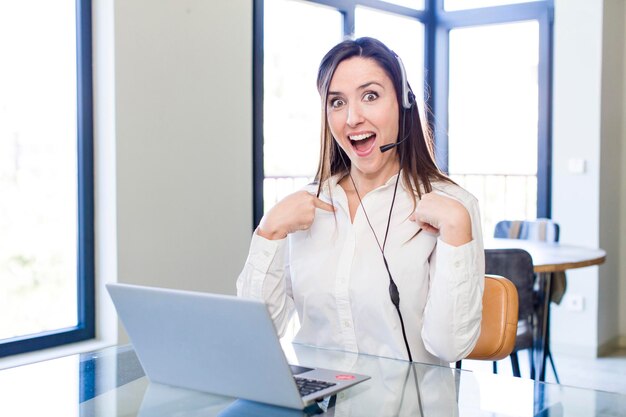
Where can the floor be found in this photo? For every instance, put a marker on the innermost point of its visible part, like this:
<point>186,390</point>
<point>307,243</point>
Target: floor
<point>607,373</point>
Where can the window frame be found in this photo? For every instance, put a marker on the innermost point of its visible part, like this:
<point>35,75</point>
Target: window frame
<point>85,328</point>
<point>437,23</point>
<point>543,13</point>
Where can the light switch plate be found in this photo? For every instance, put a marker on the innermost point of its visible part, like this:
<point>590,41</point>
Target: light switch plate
<point>577,166</point>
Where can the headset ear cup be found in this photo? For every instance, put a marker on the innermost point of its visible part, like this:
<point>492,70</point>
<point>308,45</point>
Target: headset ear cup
<point>408,98</point>
<point>411,98</point>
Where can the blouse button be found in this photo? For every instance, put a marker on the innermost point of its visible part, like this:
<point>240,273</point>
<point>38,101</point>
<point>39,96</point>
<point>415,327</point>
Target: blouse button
<point>346,323</point>
<point>457,264</point>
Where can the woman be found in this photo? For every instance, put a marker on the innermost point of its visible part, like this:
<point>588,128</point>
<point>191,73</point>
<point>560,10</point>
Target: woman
<point>382,254</point>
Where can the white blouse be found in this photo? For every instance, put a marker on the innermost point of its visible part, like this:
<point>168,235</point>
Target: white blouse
<point>334,276</point>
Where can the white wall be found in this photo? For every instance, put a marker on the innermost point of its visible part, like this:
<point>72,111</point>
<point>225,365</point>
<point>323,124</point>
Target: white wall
<point>612,139</point>
<point>183,110</point>
<point>104,166</point>
<point>576,134</point>
<point>588,101</point>
<point>622,254</point>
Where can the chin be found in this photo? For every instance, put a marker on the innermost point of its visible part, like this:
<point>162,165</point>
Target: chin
<point>368,168</point>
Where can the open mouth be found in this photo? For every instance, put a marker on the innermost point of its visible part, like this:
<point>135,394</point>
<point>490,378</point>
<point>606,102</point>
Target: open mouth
<point>362,143</point>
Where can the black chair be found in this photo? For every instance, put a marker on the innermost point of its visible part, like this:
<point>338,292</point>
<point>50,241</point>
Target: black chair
<point>544,230</point>
<point>517,266</point>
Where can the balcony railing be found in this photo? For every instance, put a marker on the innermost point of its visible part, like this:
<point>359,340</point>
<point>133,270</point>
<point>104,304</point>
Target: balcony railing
<point>510,196</point>
<point>275,188</point>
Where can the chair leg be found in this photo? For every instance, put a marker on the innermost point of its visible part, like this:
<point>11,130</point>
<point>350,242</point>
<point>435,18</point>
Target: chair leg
<point>495,367</point>
<point>531,361</point>
<point>515,365</point>
<point>553,367</point>
<point>458,364</point>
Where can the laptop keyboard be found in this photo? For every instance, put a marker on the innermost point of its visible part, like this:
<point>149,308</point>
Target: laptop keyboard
<point>309,386</point>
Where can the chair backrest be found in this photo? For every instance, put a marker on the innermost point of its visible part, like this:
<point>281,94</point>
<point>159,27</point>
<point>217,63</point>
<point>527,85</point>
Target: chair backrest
<point>540,229</point>
<point>517,266</point>
<point>498,326</point>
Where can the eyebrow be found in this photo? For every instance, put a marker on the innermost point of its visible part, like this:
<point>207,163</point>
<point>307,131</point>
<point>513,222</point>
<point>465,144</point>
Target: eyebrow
<point>361,87</point>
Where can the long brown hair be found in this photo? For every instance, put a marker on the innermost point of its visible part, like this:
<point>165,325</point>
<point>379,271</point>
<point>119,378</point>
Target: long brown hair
<point>417,151</point>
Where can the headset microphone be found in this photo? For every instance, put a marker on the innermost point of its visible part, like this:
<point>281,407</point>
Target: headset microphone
<point>389,146</point>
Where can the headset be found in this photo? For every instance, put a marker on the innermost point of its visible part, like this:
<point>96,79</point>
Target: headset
<point>408,100</point>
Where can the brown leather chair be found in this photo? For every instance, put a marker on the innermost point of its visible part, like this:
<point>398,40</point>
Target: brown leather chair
<point>498,325</point>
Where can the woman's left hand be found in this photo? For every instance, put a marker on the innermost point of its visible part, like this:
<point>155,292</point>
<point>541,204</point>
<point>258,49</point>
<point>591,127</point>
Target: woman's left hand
<point>445,216</point>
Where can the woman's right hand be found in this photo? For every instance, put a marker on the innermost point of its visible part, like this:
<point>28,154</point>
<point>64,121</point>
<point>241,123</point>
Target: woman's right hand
<point>293,213</point>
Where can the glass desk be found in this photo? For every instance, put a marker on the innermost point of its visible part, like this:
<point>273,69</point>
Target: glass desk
<point>111,383</point>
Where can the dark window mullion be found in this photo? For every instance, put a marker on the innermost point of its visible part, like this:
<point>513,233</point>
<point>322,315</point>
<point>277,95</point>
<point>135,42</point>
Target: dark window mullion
<point>439,100</point>
<point>258,166</point>
<point>436,63</point>
<point>349,21</point>
<point>86,243</point>
<point>544,145</point>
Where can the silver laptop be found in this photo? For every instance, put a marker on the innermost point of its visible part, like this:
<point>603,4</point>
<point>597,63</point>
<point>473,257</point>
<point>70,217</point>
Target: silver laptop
<point>218,344</point>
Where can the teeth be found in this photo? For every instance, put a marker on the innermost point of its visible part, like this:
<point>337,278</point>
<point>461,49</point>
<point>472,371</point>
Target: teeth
<point>361,137</point>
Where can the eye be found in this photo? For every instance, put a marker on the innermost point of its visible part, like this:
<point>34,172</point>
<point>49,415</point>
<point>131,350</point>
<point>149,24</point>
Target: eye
<point>336,103</point>
<point>370,96</point>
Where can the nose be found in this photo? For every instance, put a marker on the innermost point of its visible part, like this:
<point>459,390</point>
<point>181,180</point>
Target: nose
<point>355,116</point>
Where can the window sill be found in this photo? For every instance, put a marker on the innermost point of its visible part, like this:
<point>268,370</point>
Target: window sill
<point>53,353</point>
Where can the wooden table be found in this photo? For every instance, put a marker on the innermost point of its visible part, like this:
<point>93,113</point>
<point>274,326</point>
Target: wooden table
<point>551,257</point>
<point>548,257</point>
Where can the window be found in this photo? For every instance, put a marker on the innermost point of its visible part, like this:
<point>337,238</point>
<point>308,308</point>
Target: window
<point>404,33</point>
<point>291,125</point>
<point>485,76</point>
<point>46,178</point>
<point>493,70</point>
<point>496,136</point>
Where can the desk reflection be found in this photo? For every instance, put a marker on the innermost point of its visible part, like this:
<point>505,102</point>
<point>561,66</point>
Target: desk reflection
<point>243,408</point>
<point>397,388</point>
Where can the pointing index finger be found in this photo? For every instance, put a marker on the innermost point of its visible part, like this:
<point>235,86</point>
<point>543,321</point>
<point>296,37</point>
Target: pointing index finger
<point>323,205</point>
